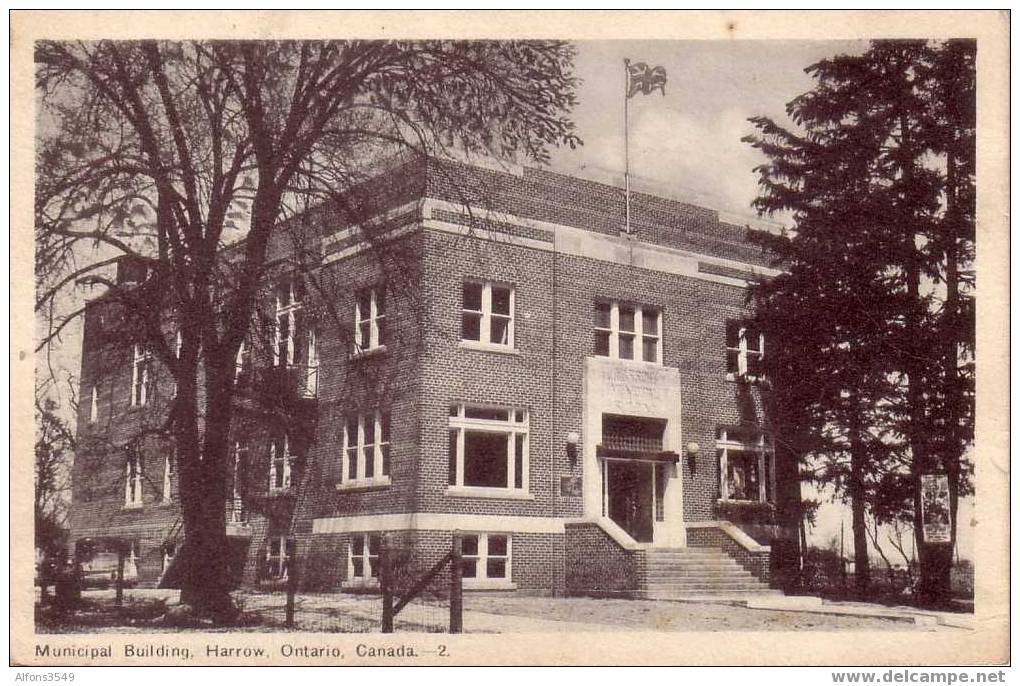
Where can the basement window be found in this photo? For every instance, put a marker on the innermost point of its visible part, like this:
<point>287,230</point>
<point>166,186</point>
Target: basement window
<point>488,449</point>
<point>487,315</point>
<point>363,559</point>
<point>278,557</point>
<point>485,557</point>
<point>628,332</point>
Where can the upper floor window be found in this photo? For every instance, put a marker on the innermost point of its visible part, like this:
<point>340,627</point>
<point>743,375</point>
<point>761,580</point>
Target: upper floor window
<point>242,363</point>
<point>281,463</point>
<point>143,375</point>
<point>489,447</point>
<point>369,319</point>
<point>290,331</point>
<point>133,481</point>
<point>366,453</point>
<point>745,351</point>
<point>746,465</point>
<point>628,332</point>
<point>94,404</point>
<point>487,315</point>
<point>168,479</point>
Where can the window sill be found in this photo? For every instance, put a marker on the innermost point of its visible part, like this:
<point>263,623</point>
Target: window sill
<point>133,506</point>
<point>360,585</point>
<point>482,492</point>
<point>366,485</point>
<point>279,492</point>
<point>365,354</point>
<point>745,379</point>
<point>731,502</point>
<point>488,347</point>
<point>489,585</point>
<point>622,360</point>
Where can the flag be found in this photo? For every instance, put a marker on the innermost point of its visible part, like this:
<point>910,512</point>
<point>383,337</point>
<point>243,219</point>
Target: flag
<point>644,79</point>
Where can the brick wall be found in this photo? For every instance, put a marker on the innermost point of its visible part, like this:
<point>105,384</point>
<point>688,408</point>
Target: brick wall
<point>597,564</point>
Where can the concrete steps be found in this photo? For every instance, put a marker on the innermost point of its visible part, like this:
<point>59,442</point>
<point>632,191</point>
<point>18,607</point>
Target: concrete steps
<point>685,573</point>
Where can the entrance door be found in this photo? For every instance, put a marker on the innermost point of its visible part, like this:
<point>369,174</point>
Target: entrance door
<point>629,497</point>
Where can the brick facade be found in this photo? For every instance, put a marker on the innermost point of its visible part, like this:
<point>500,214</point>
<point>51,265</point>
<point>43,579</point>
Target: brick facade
<point>554,239</point>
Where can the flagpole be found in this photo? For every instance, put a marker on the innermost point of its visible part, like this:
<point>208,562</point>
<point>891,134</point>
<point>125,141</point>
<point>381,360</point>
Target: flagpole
<point>626,143</point>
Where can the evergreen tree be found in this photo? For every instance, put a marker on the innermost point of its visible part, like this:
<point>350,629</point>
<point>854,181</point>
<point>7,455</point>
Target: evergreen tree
<point>876,180</point>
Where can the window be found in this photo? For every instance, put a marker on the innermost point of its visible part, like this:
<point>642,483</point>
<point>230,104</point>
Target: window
<point>168,479</point>
<point>169,552</point>
<point>746,465</point>
<point>489,448</point>
<point>278,556</point>
<point>133,481</point>
<point>628,332</point>
<point>745,351</point>
<point>366,452</point>
<point>363,558</point>
<point>369,319</point>
<point>290,332</point>
<point>486,556</point>
<point>242,364</point>
<point>142,377</point>
<point>488,314</point>
<point>94,405</point>
<point>280,464</point>
<point>237,515</point>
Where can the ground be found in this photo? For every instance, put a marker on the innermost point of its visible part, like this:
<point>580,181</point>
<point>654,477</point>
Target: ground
<point>486,614</point>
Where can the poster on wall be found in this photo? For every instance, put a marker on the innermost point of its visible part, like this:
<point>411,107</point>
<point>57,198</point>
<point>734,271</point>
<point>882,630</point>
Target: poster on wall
<point>935,508</point>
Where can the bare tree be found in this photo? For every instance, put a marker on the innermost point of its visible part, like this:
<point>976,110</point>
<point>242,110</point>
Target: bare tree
<point>166,152</point>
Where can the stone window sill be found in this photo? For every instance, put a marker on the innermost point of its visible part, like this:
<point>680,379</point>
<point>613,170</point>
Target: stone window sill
<point>489,585</point>
<point>488,347</point>
<point>133,506</point>
<point>360,585</point>
<point>365,485</point>
<point>371,352</point>
<point>480,492</point>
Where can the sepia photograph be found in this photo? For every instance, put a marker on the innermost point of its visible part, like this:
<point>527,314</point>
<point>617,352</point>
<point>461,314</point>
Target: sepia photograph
<point>345,342</point>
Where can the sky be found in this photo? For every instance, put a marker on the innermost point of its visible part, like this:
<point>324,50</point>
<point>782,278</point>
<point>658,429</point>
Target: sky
<point>686,144</point>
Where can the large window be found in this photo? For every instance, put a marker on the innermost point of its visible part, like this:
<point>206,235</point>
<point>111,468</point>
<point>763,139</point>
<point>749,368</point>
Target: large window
<point>363,558</point>
<point>628,332</point>
<point>281,463</point>
<point>486,557</point>
<point>143,376</point>
<point>133,481</point>
<point>489,448</point>
<point>487,315</point>
<point>369,319</point>
<point>745,352</point>
<point>746,465</point>
<point>366,451</point>
<point>278,555</point>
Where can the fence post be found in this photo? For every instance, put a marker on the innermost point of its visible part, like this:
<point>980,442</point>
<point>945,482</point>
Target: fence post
<point>292,585</point>
<point>119,581</point>
<point>456,586</point>
<point>385,581</point>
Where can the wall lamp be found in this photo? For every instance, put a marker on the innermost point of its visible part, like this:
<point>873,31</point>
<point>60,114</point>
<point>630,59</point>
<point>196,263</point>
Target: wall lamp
<point>572,440</point>
<point>692,450</point>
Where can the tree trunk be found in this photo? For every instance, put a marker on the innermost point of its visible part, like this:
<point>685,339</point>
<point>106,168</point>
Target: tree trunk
<point>204,560</point>
<point>858,497</point>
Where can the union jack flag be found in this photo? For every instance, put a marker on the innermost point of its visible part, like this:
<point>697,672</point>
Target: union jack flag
<point>644,79</point>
